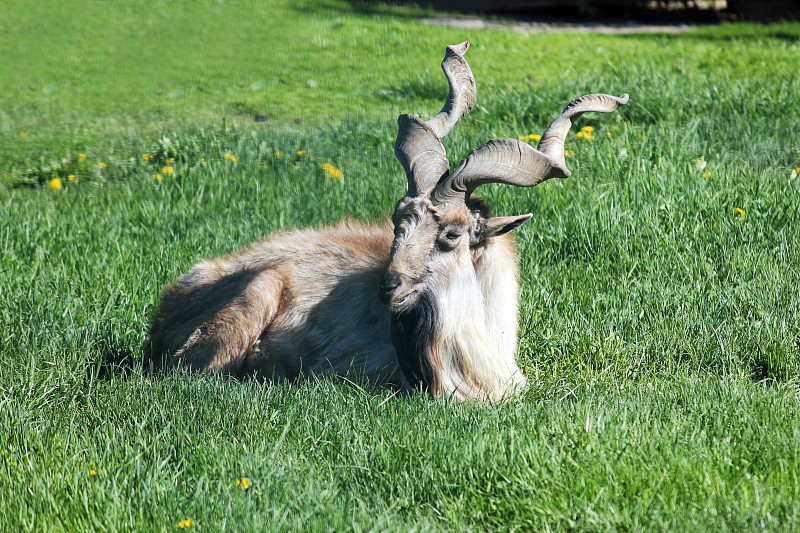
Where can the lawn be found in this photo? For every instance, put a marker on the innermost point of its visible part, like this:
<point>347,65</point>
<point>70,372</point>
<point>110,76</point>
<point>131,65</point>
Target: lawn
<point>660,306</point>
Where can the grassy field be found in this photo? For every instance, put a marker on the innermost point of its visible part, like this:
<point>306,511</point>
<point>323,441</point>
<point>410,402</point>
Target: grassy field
<point>661,283</point>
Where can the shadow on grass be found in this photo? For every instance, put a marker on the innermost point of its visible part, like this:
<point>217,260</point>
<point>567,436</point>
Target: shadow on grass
<point>774,362</point>
<point>117,360</point>
<point>410,11</point>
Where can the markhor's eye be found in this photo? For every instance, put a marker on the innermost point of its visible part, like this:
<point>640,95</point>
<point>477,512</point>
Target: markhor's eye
<point>449,240</point>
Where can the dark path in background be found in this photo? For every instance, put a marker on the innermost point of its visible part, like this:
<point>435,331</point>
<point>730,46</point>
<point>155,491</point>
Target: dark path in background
<point>605,12</point>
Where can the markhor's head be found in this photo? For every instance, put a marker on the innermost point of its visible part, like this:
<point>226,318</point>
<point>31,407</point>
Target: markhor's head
<point>438,224</point>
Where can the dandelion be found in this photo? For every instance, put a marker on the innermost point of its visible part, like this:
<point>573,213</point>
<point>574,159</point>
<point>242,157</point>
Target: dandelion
<point>202,159</point>
<point>171,160</point>
<point>168,170</point>
<point>278,154</point>
<point>147,157</point>
<point>81,156</point>
<point>158,177</point>
<point>707,175</point>
<point>231,158</point>
<point>579,135</point>
<point>103,165</point>
<point>301,153</point>
<point>332,171</point>
<point>185,523</point>
<point>740,212</point>
<point>71,177</point>
<point>93,472</point>
<point>24,134</point>
<point>535,137</point>
<point>587,129</point>
<point>797,170</point>
<point>588,137</point>
<point>55,184</point>
<point>569,152</point>
<point>243,483</point>
<point>608,134</point>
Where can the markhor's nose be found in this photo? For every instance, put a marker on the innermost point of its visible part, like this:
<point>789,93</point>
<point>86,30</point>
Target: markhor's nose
<point>389,282</point>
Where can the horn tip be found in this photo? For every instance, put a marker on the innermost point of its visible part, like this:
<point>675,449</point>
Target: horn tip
<point>623,99</point>
<point>459,49</point>
<point>405,118</point>
<point>560,171</point>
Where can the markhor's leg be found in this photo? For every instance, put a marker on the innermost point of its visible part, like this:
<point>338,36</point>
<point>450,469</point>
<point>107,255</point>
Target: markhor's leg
<point>213,326</point>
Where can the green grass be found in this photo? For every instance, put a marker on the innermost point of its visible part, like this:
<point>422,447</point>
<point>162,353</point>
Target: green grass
<point>660,330</point>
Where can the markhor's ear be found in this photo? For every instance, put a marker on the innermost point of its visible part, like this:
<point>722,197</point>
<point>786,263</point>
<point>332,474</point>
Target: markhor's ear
<point>499,225</point>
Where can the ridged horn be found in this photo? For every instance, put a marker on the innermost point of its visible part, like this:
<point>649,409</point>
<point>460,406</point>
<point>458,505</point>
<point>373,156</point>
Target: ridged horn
<point>517,163</point>
<point>418,146</point>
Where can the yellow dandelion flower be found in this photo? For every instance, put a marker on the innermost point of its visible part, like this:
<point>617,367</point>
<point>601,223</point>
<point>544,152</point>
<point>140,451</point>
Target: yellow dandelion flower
<point>278,154</point>
<point>569,152</point>
<point>332,171</point>
<point>707,175</point>
<point>81,156</point>
<point>183,524</point>
<point>797,170</point>
<point>588,137</point>
<point>202,159</point>
<point>579,135</point>
<point>608,134</point>
<point>146,157</point>
<point>24,134</point>
<point>55,184</point>
<point>158,177</point>
<point>587,129</point>
<point>92,472</point>
<point>740,212</point>
<point>103,165</point>
<point>243,483</point>
<point>71,177</point>
<point>168,170</point>
<point>301,153</point>
<point>533,137</point>
<point>231,158</point>
<point>171,160</point>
